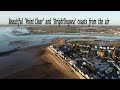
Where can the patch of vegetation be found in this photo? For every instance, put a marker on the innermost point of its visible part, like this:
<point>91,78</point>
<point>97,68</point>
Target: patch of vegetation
<point>115,44</point>
<point>53,29</point>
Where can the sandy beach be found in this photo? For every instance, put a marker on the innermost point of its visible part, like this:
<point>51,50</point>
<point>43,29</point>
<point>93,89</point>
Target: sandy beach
<point>47,65</point>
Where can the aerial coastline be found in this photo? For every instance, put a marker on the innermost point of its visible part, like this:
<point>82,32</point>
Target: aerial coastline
<point>38,61</point>
<point>45,68</point>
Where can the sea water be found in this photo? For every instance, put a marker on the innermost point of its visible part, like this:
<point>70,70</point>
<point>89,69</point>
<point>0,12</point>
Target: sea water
<point>13,37</point>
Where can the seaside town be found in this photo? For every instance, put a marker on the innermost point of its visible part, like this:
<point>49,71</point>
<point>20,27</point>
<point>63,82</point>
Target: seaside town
<point>91,61</point>
<point>74,53</point>
<point>60,45</point>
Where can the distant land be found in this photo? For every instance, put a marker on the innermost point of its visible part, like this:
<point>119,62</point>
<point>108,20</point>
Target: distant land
<point>38,29</point>
<point>75,29</point>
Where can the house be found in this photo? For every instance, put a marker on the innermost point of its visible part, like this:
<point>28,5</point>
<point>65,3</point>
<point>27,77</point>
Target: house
<point>72,62</point>
<point>109,70</point>
<point>101,74</point>
<point>66,58</point>
<point>100,53</point>
<point>96,77</point>
<point>96,47</point>
<point>108,47</point>
<point>100,47</point>
<point>113,48</point>
<point>51,46</point>
<point>104,47</point>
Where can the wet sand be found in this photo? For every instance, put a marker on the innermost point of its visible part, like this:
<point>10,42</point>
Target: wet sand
<point>44,65</point>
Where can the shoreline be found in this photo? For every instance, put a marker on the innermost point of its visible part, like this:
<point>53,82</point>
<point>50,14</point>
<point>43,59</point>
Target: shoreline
<point>48,69</point>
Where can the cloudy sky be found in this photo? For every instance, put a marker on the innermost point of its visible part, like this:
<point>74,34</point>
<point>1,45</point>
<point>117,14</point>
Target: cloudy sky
<point>113,16</point>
